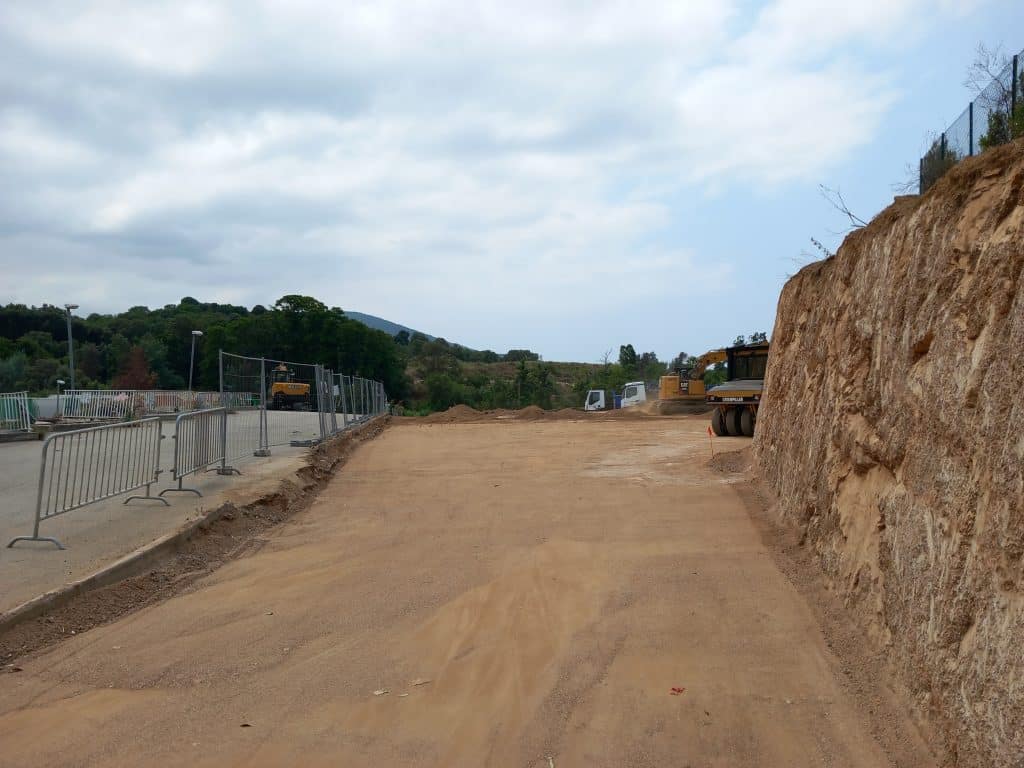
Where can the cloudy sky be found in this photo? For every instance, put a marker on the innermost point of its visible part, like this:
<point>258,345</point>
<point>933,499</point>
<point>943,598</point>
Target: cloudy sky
<point>561,176</point>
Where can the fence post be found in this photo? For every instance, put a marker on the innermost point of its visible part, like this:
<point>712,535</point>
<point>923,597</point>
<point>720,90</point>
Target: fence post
<point>224,468</point>
<point>344,401</point>
<point>318,377</point>
<point>264,448</point>
<point>970,129</point>
<point>1014,83</point>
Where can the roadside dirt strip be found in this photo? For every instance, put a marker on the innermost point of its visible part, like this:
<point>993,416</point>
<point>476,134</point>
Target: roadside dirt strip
<point>564,593</point>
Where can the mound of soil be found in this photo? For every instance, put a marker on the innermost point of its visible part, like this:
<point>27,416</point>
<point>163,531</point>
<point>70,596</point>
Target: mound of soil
<point>731,462</point>
<point>457,414</point>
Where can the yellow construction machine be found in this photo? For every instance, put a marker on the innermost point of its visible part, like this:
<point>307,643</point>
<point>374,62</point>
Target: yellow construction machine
<point>683,391</point>
<point>735,401</point>
<point>285,392</point>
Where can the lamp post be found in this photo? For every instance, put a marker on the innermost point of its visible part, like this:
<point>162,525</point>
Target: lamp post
<point>192,358</point>
<point>71,341</point>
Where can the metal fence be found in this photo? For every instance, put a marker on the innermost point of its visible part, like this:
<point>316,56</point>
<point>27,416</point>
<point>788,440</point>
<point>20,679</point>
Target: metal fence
<point>198,444</point>
<point>122,404</point>
<point>15,414</point>
<point>262,403</point>
<point>101,404</point>
<point>995,117</point>
<point>298,404</point>
<point>88,465</point>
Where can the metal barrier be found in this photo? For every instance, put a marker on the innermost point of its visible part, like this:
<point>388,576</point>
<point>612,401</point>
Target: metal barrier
<point>89,465</point>
<point>15,415</point>
<point>121,404</point>
<point>198,443</point>
<point>106,404</point>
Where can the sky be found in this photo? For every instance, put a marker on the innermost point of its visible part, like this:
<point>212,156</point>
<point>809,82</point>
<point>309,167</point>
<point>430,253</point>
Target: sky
<point>562,176</point>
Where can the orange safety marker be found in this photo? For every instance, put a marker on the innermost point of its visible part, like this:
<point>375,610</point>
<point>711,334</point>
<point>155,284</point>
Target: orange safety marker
<point>711,439</point>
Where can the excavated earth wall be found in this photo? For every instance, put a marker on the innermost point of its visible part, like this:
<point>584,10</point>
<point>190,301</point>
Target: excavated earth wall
<point>892,433</point>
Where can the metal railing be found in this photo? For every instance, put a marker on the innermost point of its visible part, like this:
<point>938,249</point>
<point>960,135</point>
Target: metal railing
<point>15,415</point>
<point>107,404</point>
<point>88,465</point>
<point>995,117</point>
<point>198,444</point>
<point>96,404</point>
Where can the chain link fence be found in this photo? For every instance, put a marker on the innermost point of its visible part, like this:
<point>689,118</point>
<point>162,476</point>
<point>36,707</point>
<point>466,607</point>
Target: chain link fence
<point>995,117</point>
<point>298,404</point>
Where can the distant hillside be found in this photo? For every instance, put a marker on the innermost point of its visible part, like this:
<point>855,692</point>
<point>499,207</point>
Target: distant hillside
<point>381,324</point>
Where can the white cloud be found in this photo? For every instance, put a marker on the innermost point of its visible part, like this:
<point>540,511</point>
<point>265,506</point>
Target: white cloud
<point>502,154</point>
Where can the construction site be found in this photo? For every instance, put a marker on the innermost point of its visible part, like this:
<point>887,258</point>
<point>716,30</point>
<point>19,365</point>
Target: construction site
<point>263,528</point>
<point>610,588</point>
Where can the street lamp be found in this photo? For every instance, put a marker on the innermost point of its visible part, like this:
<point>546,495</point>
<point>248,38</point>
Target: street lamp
<point>192,359</point>
<point>71,341</point>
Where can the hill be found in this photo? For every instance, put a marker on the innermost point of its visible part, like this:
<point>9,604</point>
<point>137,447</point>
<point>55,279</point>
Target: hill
<point>380,324</point>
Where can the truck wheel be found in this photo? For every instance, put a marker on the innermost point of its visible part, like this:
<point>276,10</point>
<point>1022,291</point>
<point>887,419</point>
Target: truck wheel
<point>732,422</point>
<point>747,422</point>
<point>718,422</point>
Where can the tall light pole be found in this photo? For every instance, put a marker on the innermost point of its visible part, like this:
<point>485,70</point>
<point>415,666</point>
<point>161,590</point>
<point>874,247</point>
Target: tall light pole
<point>71,341</point>
<point>192,358</point>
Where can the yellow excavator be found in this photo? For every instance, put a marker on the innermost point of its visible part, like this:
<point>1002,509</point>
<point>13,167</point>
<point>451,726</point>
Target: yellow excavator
<point>735,401</point>
<point>683,391</point>
<point>285,392</point>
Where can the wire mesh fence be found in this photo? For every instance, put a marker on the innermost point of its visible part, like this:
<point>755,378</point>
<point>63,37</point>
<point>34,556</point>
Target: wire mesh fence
<point>994,117</point>
<point>297,404</point>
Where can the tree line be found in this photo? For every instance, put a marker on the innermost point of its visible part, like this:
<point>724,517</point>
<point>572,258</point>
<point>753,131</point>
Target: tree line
<point>144,348</point>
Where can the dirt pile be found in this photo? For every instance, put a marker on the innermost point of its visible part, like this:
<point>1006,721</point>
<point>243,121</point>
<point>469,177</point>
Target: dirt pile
<point>457,414</point>
<point>891,432</point>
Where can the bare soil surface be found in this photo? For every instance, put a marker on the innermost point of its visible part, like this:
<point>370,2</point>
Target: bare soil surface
<point>582,592</point>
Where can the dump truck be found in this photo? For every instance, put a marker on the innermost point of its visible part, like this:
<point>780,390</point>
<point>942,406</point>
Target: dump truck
<point>286,393</point>
<point>683,390</point>
<point>734,402</point>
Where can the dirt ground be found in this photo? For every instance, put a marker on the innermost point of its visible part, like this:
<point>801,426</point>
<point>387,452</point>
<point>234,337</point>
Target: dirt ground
<point>547,593</point>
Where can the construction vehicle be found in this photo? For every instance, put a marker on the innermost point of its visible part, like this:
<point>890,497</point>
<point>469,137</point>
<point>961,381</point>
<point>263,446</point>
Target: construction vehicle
<point>285,392</point>
<point>633,393</point>
<point>683,391</point>
<point>735,401</point>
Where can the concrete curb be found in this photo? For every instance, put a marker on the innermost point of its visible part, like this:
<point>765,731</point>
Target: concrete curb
<point>138,561</point>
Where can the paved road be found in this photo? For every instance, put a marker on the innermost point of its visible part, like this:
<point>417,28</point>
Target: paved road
<point>517,595</point>
<point>100,533</point>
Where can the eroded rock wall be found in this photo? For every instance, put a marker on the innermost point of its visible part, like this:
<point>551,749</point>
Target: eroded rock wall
<point>892,432</point>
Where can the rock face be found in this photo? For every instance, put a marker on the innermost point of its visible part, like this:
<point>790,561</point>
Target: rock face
<point>892,432</point>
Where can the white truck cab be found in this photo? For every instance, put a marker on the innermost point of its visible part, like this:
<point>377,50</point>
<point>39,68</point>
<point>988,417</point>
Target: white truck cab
<point>634,393</point>
<point>595,401</point>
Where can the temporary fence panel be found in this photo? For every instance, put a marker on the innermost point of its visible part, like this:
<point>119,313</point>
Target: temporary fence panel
<point>243,431</point>
<point>15,414</point>
<point>97,404</point>
<point>341,398</point>
<point>89,465</point>
<point>198,444</point>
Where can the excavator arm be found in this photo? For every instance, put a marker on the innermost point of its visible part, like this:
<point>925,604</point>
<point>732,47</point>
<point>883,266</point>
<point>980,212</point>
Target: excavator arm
<point>708,358</point>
